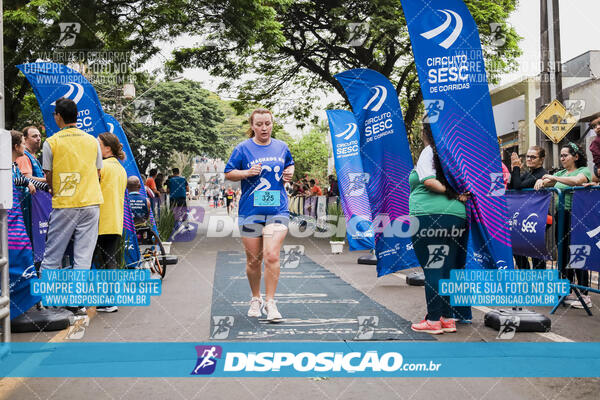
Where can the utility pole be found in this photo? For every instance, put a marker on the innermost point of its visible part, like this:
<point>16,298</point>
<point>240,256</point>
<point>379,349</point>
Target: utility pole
<point>551,69</point>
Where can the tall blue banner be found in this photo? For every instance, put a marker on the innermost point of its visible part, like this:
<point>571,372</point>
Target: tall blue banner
<point>450,65</point>
<point>352,179</point>
<point>51,81</point>
<point>386,158</point>
<point>528,212</point>
<point>585,230</point>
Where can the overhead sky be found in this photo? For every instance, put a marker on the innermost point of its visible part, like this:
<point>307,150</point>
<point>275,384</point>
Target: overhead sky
<point>579,28</point>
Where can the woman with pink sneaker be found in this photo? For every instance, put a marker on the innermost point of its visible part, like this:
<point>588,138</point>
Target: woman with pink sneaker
<point>441,239</point>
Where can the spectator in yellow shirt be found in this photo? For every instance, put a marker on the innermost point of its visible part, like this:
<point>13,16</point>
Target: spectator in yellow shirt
<point>113,181</point>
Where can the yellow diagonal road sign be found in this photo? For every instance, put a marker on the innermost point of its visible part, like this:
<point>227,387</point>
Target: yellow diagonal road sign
<point>555,121</point>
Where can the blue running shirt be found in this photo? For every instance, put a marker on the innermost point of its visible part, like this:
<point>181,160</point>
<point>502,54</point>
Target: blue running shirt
<point>274,158</point>
<point>177,186</point>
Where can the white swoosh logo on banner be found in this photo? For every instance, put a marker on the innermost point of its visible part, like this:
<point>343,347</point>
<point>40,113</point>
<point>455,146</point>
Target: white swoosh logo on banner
<point>380,92</point>
<point>449,41</point>
<point>67,95</point>
<point>111,127</point>
<point>350,131</point>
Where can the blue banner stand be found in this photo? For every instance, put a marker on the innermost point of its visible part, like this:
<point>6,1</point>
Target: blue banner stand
<point>370,259</point>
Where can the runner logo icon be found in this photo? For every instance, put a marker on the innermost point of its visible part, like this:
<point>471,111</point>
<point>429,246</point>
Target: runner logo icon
<point>358,181</point>
<point>437,255</point>
<point>292,254</point>
<point>579,254</point>
<point>497,187</point>
<point>381,94</point>
<point>348,133</point>
<point>207,359</point>
<point>366,327</point>
<point>449,41</point>
<point>221,327</point>
<point>508,326</point>
<point>68,33</point>
<point>432,110</point>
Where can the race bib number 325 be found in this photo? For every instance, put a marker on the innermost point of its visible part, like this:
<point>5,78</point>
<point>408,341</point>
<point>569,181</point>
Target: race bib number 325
<point>267,198</point>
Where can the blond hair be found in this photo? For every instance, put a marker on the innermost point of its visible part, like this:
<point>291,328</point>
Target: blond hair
<point>250,132</point>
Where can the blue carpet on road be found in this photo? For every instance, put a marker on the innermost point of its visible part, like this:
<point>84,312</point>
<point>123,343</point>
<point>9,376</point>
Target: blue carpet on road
<point>316,304</point>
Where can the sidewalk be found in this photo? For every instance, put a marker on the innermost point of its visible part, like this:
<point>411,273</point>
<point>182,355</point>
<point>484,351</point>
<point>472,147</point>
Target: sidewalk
<point>182,314</point>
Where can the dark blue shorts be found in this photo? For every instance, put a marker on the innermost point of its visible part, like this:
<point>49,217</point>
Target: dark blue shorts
<point>255,224</point>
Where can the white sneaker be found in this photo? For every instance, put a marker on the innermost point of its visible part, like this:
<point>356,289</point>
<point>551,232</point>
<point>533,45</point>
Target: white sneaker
<point>570,299</point>
<point>586,299</point>
<point>273,314</point>
<point>107,309</point>
<point>256,305</point>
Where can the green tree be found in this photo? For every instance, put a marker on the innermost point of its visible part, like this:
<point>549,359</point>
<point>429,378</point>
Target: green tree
<point>184,162</point>
<point>310,155</point>
<point>297,47</point>
<point>116,28</point>
<point>184,118</point>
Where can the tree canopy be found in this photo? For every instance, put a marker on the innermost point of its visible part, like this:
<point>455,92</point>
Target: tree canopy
<point>310,154</point>
<point>296,47</point>
<point>181,116</point>
<point>111,34</point>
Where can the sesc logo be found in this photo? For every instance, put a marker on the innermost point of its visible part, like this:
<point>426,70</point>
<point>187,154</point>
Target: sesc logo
<point>449,41</point>
<point>72,86</point>
<point>29,272</point>
<point>529,224</point>
<point>207,359</point>
<point>349,132</point>
<point>381,94</point>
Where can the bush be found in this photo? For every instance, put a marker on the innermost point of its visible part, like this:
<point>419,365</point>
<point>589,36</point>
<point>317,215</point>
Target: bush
<point>165,223</point>
<point>335,209</point>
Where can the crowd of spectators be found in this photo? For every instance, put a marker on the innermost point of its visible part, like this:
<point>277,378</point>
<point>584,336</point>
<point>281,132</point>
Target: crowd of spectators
<point>307,187</point>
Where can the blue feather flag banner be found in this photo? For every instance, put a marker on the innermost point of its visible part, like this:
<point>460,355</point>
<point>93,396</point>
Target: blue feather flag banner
<point>387,160</point>
<point>450,65</point>
<point>352,179</point>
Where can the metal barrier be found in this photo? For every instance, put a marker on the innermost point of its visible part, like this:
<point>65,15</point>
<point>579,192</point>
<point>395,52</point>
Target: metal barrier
<point>4,277</point>
<point>6,203</point>
<point>550,234</point>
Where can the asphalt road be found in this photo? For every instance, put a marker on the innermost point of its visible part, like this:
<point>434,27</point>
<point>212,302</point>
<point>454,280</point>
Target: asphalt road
<point>182,314</point>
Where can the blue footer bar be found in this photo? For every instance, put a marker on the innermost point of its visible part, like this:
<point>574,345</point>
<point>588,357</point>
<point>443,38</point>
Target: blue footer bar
<point>300,359</point>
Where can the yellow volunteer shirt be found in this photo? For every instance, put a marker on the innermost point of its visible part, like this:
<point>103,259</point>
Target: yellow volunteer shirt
<point>113,181</point>
<point>74,173</point>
